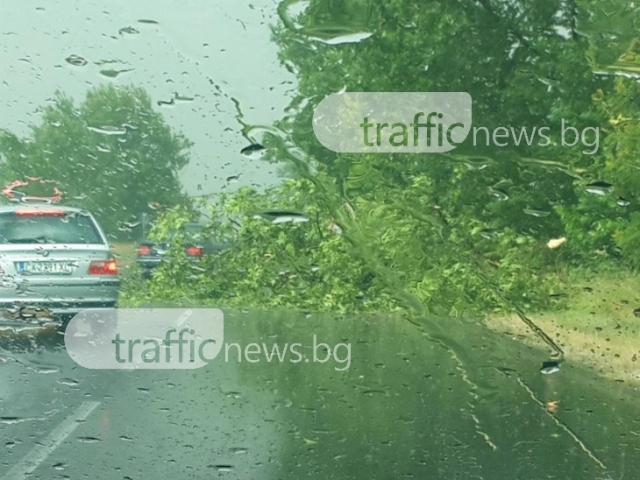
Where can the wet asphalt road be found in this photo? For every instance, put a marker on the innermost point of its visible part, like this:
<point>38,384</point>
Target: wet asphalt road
<point>59,420</point>
<point>405,408</point>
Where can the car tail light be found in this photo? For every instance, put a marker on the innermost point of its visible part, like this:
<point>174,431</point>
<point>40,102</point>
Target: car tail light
<point>194,251</point>
<point>35,212</point>
<point>144,250</point>
<point>103,267</point>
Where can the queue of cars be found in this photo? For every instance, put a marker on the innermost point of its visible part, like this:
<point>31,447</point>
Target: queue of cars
<point>56,261</point>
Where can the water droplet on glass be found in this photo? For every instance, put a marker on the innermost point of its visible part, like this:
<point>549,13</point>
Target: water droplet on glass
<point>68,381</point>
<point>282,216</point>
<point>255,150</point>
<point>76,60</point>
<point>327,39</point>
<point>550,367</point>
<point>166,102</point>
<point>488,233</point>
<point>536,213</point>
<point>223,468</point>
<point>182,98</point>
<point>473,163</point>
<point>108,130</point>
<point>112,73</point>
<point>599,187</point>
<point>10,420</point>
<point>233,394</point>
<point>239,450</point>
<point>128,30</point>
<point>88,439</point>
<point>499,194</point>
<point>46,370</point>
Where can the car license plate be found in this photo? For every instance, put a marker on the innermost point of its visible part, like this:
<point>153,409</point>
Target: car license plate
<point>46,268</point>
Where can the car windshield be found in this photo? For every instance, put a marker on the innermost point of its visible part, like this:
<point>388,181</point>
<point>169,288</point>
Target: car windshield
<point>48,229</point>
<point>350,239</point>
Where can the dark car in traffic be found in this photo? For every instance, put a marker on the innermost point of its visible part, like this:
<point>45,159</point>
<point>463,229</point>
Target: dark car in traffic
<point>150,254</point>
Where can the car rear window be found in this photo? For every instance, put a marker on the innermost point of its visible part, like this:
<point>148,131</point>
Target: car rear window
<point>66,228</point>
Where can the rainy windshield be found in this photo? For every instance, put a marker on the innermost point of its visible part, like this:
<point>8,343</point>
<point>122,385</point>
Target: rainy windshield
<point>347,239</point>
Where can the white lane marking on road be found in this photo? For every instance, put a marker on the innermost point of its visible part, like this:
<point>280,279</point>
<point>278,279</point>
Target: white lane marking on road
<point>43,449</point>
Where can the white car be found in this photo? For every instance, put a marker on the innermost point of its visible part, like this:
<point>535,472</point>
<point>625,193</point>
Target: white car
<point>56,258</point>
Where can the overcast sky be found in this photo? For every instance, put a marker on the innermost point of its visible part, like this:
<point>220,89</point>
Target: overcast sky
<point>227,41</point>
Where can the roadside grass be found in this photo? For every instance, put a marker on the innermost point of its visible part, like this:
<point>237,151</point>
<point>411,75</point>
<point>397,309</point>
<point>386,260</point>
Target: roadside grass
<point>594,323</point>
<point>596,327</point>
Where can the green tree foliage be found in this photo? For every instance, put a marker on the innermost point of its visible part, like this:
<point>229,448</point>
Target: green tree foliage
<point>112,153</point>
<point>392,256</point>
<point>454,233</point>
<point>307,265</point>
<point>472,225</point>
